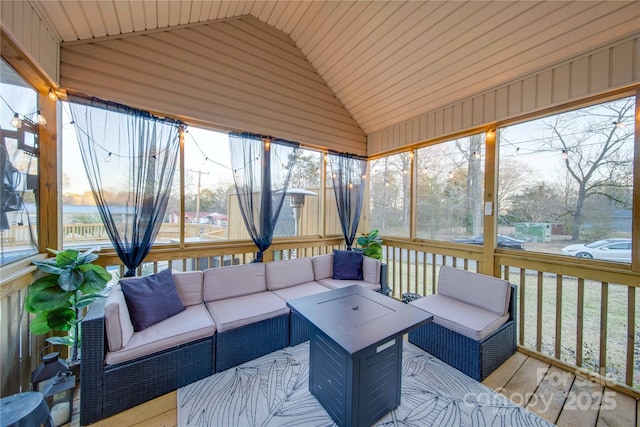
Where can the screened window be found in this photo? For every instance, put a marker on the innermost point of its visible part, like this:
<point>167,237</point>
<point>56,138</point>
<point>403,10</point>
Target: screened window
<point>19,153</point>
<point>389,195</point>
<point>566,181</point>
<point>450,184</point>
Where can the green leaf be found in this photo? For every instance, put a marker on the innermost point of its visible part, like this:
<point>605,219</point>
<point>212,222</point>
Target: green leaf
<point>99,270</point>
<point>362,241</point>
<point>87,257</point>
<point>61,319</point>
<point>70,280</point>
<point>61,340</point>
<point>67,257</point>
<point>48,267</point>
<point>39,324</point>
<point>93,282</point>
<point>45,298</point>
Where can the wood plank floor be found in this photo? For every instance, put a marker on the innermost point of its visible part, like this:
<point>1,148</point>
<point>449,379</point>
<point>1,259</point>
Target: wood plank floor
<point>558,396</point>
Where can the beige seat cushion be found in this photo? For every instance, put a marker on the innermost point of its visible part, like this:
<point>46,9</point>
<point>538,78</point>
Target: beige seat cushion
<point>465,319</point>
<point>189,286</point>
<point>231,313</point>
<point>486,292</point>
<point>300,291</point>
<point>189,325</point>
<point>234,281</point>
<point>117,321</point>
<point>337,284</point>
<point>282,274</point>
<point>322,266</point>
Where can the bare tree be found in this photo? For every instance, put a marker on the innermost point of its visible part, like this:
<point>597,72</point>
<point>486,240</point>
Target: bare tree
<point>594,145</point>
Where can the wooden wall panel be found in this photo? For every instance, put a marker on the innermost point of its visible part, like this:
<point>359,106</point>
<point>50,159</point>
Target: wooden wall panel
<point>612,67</point>
<point>239,74</point>
<point>30,34</point>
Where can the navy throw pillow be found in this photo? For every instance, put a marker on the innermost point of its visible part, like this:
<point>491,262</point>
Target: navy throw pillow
<point>151,299</point>
<point>347,265</point>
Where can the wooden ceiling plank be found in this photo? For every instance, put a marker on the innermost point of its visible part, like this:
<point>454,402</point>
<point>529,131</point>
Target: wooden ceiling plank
<point>162,13</point>
<point>110,16</point>
<point>318,27</point>
<point>137,11</point>
<point>419,27</point>
<point>150,15</point>
<point>123,12</point>
<point>514,53</point>
<point>467,59</point>
<point>205,11</point>
<point>57,17</point>
<point>358,44</point>
<point>293,18</point>
<point>185,12</point>
<point>266,10</point>
<point>78,18</point>
<point>281,9</point>
<point>324,49</point>
<point>196,11</point>
<point>435,44</point>
<point>305,20</point>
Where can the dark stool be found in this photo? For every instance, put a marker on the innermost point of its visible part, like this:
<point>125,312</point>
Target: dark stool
<point>409,296</point>
<point>24,410</point>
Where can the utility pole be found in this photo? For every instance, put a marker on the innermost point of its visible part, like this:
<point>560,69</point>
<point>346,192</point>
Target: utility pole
<point>200,173</point>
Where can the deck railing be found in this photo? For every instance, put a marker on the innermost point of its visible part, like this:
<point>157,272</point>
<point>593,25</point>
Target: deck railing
<point>578,314</point>
<point>574,313</point>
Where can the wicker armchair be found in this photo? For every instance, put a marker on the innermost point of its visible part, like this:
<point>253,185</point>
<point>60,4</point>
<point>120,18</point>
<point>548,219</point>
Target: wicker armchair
<point>477,359</point>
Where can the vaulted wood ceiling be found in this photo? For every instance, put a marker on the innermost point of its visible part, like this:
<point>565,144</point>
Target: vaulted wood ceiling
<point>385,61</point>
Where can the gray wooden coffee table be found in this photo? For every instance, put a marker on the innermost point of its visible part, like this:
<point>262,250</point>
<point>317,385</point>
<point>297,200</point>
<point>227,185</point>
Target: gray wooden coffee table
<point>355,355</point>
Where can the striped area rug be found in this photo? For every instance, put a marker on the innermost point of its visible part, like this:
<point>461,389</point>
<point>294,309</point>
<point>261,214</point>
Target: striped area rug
<point>273,390</point>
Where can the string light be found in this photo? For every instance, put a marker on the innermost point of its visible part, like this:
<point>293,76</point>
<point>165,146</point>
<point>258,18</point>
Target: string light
<point>451,175</point>
<point>515,152</point>
<point>476,155</point>
<point>16,122</point>
<point>52,95</point>
<point>564,155</point>
<point>619,125</point>
<point>41,120</point>
<point>108,158</point>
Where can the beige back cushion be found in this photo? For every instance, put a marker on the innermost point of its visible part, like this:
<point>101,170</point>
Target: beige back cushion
<point>284,274</point>
<point>189,287</point>
<point>234,281</point>
<point>482,291</point>
<point>322,266</point>
<point>371,270</point>
<point>117,321</point>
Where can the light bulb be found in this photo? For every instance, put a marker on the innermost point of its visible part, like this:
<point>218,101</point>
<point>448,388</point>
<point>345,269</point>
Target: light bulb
<point>515,152</point>
<point>565,156</point>
<point>41,120</point>
<point>620,125</point>
<point>16,122</point>
<point>476,155</point>
<point>108,158</point>
<point>450,175</point>
<point>52,95</point>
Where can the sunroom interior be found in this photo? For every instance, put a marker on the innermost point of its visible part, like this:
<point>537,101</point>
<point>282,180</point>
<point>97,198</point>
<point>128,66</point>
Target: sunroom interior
<point>500,138</point>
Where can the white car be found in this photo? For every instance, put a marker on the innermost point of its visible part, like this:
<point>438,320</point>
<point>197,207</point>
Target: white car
<point>608,249</point>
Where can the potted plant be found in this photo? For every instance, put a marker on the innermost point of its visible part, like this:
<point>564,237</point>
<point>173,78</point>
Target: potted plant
<point>371,243</point>
<point>72,283</point>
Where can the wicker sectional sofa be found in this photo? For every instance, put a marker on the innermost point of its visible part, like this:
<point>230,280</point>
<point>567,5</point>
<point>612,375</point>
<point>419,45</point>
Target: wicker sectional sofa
<point>232,315</point>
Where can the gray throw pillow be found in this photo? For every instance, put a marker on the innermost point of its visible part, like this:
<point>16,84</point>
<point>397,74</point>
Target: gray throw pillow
<point>347,265</point>
<point>151,299</point>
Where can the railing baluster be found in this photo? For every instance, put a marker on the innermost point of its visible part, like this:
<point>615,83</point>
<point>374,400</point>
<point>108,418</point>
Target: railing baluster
<point>631,335</point>
<point>558,345</point>
<point>521,290</point>
<point>604,311</point>
<point>539,313</point>
<point>580,323</point>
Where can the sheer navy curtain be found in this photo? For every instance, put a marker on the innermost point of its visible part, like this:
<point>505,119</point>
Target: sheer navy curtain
<point>261,172</point>
<point>349,180</point>
<point>130,157</point>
